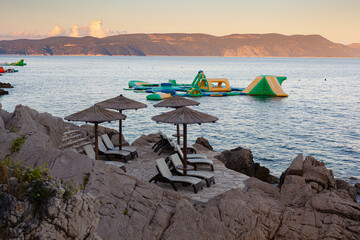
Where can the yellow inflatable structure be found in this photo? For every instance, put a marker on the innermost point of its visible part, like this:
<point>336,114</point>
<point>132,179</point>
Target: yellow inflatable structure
<point>266,85</point>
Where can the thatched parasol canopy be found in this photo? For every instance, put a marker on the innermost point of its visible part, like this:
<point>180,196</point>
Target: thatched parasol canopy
<point>184,115</point>
<point>176,102</point>
<point>121,103</point>
<point>96,114</point>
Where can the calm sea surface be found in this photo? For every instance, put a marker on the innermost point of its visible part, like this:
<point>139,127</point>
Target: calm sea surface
<point>319,118</point>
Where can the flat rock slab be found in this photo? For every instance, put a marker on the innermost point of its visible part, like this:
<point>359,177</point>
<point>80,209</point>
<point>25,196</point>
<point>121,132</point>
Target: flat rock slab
<point>144,167</point>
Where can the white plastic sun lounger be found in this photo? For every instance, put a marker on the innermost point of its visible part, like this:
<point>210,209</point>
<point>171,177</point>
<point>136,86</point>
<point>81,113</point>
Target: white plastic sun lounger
<point>165,175</point>
<point>111,146</point>
<point>207,176</point>
<point>91,154</point>
<point>124,154</point>
<point>177,148</point>
<point>196,161</point>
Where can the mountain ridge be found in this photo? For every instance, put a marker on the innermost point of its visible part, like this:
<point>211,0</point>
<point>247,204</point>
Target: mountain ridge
<point>184,44</point>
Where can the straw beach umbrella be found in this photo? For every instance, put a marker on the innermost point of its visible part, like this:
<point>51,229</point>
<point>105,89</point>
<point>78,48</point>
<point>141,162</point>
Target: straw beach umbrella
<point>176,102</point>
<point>96,114</point>
<point>185,116</point>
<point>121,103</point>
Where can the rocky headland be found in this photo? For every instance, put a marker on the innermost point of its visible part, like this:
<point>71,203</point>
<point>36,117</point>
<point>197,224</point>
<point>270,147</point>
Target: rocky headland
<point>108,203</point>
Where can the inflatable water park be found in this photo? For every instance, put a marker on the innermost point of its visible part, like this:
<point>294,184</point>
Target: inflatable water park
<point>212,87</point>
<point>19,63</point>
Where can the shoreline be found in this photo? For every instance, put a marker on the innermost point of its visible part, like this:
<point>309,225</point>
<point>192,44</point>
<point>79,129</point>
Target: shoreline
<point>309,201</point>
<point>180,56</point>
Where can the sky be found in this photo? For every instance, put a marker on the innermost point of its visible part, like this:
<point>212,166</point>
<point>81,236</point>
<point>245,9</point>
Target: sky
<point>336,20</point>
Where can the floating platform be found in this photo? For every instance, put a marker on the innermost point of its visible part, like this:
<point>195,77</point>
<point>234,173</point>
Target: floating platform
<point>201,86</point>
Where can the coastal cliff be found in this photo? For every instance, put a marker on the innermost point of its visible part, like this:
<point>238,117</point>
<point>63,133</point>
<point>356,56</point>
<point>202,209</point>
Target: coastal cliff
<point>309,203</point>
<point>180,44</point>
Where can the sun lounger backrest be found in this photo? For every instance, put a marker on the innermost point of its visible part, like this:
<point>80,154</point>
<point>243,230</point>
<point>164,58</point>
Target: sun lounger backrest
<point>175,160</point>
<point>101,145</point>
<point>163,168</point>
<point>178,149</point>
<point>107,141</point>
<point>89,151</point>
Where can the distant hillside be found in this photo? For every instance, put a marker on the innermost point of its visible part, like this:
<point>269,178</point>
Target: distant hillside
<point>354,45</point>
<point>178,44</point>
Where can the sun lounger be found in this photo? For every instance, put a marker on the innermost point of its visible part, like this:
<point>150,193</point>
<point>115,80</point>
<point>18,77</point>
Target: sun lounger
<point>190,155</point>
<point>196,161</point>
<point>109,145</point>
<point>167,144</point>
<point>163,144</point>
<point>124,154</point>
<point>118,164</point>
<point>89,151</point>
<point>166,176</point>
<point>91,154</point>
<point>207,176</point>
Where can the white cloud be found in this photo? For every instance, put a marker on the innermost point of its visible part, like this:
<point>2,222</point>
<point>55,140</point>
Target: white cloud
<point>74,32</point>
<point>57,31</point>
<point>94,29</point>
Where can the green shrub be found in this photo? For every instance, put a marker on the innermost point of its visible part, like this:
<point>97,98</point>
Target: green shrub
<point>126,213</point>
<point>31,181</point>
<point>68,193</point>
<point>40,193</point>
<point>17,143</point>
<point>85,181</point>
<point>13,130</point>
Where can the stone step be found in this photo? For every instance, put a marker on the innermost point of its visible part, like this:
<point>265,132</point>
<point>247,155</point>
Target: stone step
<point>70,133</point>
<point>70,138</point>
<point>67,145</point>
<point>79,147</point>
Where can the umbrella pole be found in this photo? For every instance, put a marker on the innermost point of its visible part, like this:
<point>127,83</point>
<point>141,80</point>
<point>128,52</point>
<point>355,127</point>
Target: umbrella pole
<point>96,142</point>
<point>185,149</point>
<point>178,133</point>
<point>120,132</point>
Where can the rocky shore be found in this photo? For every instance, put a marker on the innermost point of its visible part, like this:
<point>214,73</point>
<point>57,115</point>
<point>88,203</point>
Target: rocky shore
<point>4,85</point>
<point>108,203</point>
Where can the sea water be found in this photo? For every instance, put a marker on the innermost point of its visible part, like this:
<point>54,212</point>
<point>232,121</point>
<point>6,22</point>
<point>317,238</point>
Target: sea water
<point>319,118</point>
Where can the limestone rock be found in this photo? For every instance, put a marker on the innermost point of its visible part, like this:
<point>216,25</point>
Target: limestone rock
<point>6,116</point>
<point>28,121</point>
<point>341,184</point>
<point>89,129</point>
<point>315,171</point>
<point>5,85</point>
<point>115,140</point>
<point>314,177</point>
<point>3,92</point>
<point>204,142</point>
<point>145,140</point>
<point>2,124</point>
<point>76,217</point>
<point>241,160</point>
<point>310,205</point>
